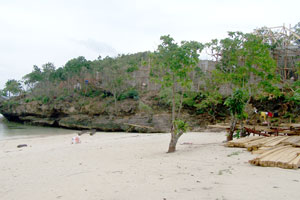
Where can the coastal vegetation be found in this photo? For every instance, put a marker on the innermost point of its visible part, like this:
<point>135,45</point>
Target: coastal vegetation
<point>165,90</point>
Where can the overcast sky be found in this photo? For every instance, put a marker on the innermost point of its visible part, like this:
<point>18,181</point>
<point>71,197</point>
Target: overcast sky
<point>36,32</point>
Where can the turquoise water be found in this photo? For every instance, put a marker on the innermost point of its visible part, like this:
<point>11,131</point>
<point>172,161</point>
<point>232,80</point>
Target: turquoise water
<point>11,130</point>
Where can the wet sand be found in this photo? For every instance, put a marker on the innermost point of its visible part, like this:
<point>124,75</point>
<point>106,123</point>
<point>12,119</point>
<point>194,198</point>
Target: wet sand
<point>135,166</point>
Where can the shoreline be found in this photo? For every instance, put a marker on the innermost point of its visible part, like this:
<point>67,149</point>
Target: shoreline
<point>136,166</point>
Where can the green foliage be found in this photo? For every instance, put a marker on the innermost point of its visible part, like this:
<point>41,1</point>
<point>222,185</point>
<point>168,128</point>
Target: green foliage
<point>237,135</point>
<point>294,97</point>
<point>45,100</point>
<point>165,96</point>
<point>172,64</point>
<point>132,69</point>
<point>210,100</point>
<point>10,104</point>
<point>246,62</point>
<point>190,99</point>
<point>236,103</point>
<point>144,107</point>
<point>12,87</point>
<point>130,94</point>
<point>180,126</point>
<point>29,100</point>
<point>33,77</point>
<point>75,65</point>
<point>2,93</point>
<point>90,92</point>
<point>61,98</point>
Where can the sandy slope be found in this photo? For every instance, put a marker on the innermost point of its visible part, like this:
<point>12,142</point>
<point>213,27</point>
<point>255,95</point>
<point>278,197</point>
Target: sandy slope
<point>135,166</point>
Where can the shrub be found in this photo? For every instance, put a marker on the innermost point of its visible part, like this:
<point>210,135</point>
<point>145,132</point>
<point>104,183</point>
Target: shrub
<point>90,92</point>
<point>45,100</point>
<point>144,107</point>
<point>132,69</point>
<point>130,94</point>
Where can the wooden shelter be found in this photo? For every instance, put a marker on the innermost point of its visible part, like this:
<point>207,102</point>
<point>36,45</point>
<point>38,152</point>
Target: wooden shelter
<point>285,45</point>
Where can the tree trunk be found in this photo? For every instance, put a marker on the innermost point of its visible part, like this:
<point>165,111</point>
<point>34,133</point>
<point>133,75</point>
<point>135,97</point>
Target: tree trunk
<point>180,105</point>
<point>232,129</point>
<point>173,142</point>
<point>243,131</point>
<point>115,102</point>
<point>173,102</point>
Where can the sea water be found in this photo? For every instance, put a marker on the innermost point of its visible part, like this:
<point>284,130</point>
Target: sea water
<point>12,130</point>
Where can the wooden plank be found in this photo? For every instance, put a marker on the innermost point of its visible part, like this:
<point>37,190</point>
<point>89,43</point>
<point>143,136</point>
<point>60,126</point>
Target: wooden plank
<point>264,149</point>
<point>296,144</point>
<point>242,141</point>
<point>256,160</point>
<point>272,151</point>
<point>294,164</point>
<point>261,150</point>
<point>288,157</point>
<point>254,145</point>
<point>270,160</point>
<point>291,139</point>
<point>276,141</point>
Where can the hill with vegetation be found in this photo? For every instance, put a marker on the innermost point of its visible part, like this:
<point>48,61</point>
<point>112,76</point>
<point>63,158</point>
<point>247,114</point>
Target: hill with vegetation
<point>155,91</point>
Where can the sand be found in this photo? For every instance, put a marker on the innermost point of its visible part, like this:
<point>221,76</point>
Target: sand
<point>135,166</point>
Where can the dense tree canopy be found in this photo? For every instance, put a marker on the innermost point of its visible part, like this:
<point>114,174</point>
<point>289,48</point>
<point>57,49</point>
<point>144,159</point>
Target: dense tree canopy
<point>12,87</point>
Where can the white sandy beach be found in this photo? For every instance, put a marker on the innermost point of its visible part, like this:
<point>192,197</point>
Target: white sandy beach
<point>135,166</point>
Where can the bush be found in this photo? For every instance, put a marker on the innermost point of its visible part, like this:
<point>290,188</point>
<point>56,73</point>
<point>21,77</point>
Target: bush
<point>28,100</point>
<point>45,100</point>
<point>61,98</point>
<point>144,107</point>
<point>11,103</point>
<point>132,69</point>
<point>90,92</point>
<point>130,94</point>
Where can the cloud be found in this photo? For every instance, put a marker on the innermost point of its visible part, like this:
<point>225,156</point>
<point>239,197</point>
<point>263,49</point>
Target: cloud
<point>98,47</point>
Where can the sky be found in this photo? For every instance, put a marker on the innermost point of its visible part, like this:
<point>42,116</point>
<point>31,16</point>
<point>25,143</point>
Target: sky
<point>36,32</point>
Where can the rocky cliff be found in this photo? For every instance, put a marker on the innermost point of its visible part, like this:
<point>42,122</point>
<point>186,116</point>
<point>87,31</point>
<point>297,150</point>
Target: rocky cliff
<point>91,113</point>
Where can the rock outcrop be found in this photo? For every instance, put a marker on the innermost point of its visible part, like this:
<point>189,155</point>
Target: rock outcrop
<point>92,115</point>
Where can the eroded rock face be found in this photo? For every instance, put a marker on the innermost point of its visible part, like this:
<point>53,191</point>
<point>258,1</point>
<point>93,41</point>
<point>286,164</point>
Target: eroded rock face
<point>94,115</point>
<point>132,123</point>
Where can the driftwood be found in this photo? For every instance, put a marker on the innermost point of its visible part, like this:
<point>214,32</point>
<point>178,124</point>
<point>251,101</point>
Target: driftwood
<point>22,145</point>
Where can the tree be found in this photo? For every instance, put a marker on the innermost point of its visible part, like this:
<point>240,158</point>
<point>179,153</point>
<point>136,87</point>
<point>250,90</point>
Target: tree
<point>246,64</point>
<point>236,104</point>
<point>75,65</point>
<point>172,66</point>
<point>12,87</point>
<point>33,77</point>
<point>2,93</point>
<point>114,79</point>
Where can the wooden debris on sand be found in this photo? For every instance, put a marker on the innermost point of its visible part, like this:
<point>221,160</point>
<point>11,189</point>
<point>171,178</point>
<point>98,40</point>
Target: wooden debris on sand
<point>242,141</point>
<point>280,151</point>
